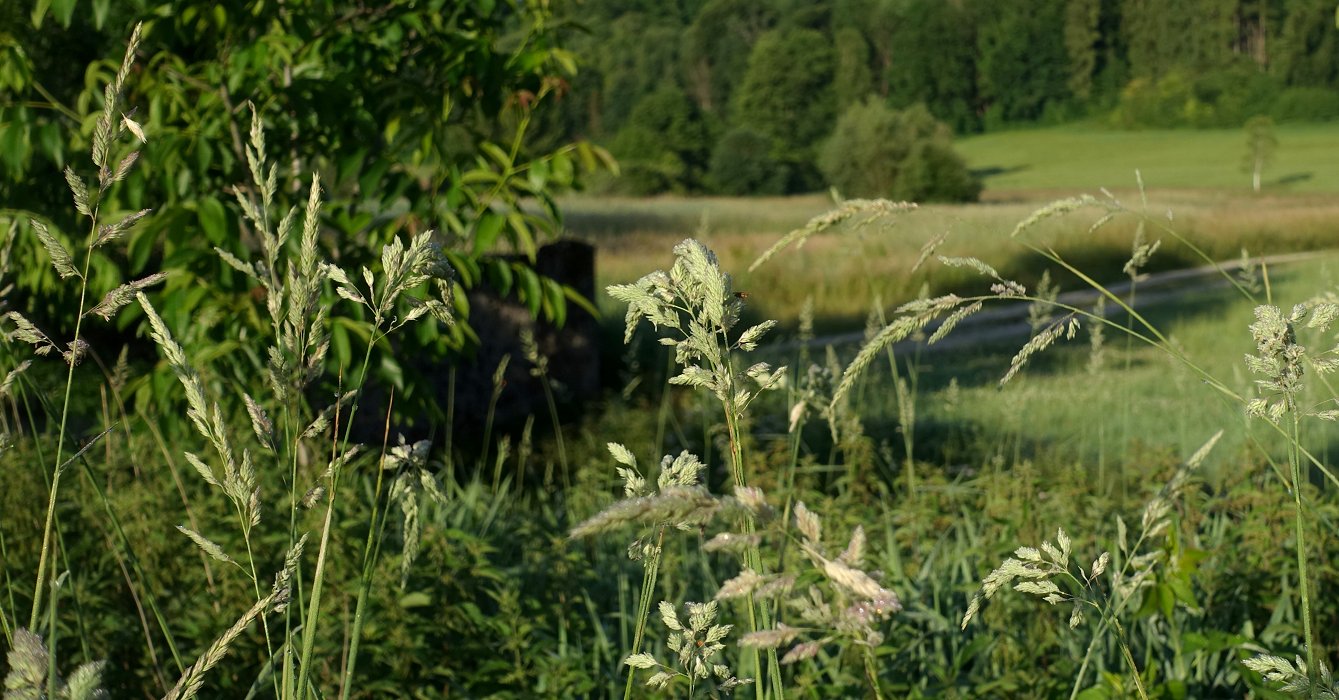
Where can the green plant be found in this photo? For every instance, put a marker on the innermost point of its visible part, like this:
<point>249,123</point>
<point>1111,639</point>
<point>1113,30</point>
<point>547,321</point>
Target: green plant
<point>1283,363</point>
<point>539,368</point>
<point>1050,574</point>
<point>88,202</point>
<point>451,139</point>
<point>300,337</point>
<point>1260,145</point>
<point>742,164</point>
<point>847,608</point>
<point>30,674</point>
<point>694,645</point>
<point>678,502</point>
<point>875,151</point>
<point>1280,359</point>
<point>695,301</point>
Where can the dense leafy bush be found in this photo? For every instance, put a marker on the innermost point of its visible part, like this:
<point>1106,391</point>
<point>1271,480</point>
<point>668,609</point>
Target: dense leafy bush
<point>787,96</point>
<point>876,151</point>
<point>1224,98</point>
<point>663,146</point>
<point>742,163</point>
<point>1306,104</point>
<point>414,119</point>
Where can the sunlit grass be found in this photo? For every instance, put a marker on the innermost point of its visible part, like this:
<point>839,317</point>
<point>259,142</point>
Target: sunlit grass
<point>1087,156</point>
<point>844,270</point>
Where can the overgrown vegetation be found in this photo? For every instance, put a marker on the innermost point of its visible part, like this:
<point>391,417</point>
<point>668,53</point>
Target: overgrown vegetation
<point>781,519</point>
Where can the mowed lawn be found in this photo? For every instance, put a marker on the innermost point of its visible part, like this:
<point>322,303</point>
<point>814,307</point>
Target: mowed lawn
<point>1086,157</point>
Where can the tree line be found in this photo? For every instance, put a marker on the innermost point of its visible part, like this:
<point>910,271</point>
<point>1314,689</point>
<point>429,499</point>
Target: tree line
<point>741,96</point>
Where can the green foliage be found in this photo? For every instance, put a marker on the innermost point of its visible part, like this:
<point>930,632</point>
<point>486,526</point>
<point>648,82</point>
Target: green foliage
<point>717,45</point>
<point>742,163</point>
<point>1082,19</point>
<point>414,118</point>
<point>630,63</point>
<point>876,151</point>
<point>1309,48</point>
<point>976,65</point>
<point>933,59</point>
<point>852,78</point>
<point>787,96</point>
<point>1213,99</point>
<point>1306,104</point>
<point>663,146</point>
<point>495,600</point>
<point>1021,68</point>
<point>1260,145</point>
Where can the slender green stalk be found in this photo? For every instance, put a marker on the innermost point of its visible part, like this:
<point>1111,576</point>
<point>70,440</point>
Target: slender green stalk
<point>314,605</point>
<point>51,676</point>
<point>48,527</point>
<point>370,547</point>
<point>1129,659</point>
<point>662,416</point>
<point>760,617</point>
<point>1303,585</point>
<point>9,590</point>
<point>498,383</point>
<point>872,675</point>
<point>649,572</point>
<point>557,431</point>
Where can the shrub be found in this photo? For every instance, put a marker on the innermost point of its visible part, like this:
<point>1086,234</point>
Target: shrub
<point>1168,101</point>
<point>1306,104</point>
<point>742,164</point>
<point>876,151</point>
<point>663,147</point>
<point>1221,98</point>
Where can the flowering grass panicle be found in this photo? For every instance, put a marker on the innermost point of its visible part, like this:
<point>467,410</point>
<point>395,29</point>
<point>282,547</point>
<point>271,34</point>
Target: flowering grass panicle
<point>695,644</point>
<point>29,666</point>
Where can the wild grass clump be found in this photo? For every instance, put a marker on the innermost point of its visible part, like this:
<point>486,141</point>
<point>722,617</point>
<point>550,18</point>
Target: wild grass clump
<point>284,433</point>
<point>1279,358</point>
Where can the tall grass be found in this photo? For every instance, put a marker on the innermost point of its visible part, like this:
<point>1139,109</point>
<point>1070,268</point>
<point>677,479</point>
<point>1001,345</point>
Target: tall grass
<point>292,281</point>
<point>1281,360</point>
<point>817,538</point>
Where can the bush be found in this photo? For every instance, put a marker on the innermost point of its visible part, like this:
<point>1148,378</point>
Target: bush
<point>1223,98</point>
<point>1236,93</point>
<point>1306,104</point>
<point>663,146</point>
<point>876,151</point>
<point>1166,102</point>
<point>742,164</point>
<point>646,166</point>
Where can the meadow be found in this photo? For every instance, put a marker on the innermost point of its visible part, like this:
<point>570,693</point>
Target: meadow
<point>1102,500</point>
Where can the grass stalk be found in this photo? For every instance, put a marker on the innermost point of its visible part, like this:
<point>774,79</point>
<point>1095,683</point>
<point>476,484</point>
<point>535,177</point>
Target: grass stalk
<point>1303,584</point>
<point>370,549</point>
<point>9,591</point>
<point>557,433</point>
<point>49,525</point>
<point>649,572</point>
<point>760,616</point>
<point>310,626</point>
<point>871,673</point>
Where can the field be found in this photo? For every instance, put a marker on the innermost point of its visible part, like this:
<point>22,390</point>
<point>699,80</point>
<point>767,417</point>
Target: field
<point>1086,157</point>
<point>869,514</point>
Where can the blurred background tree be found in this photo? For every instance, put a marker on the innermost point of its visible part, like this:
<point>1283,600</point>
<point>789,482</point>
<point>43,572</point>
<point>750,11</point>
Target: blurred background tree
<point>1260,145</point>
